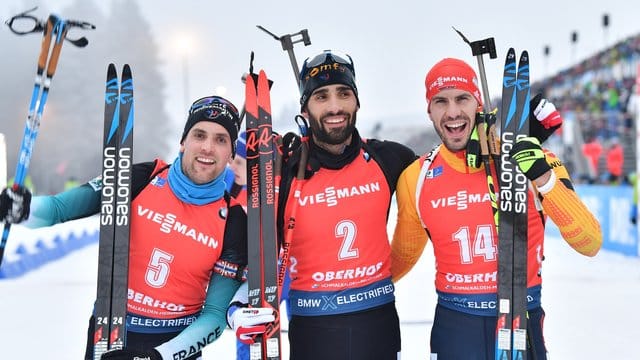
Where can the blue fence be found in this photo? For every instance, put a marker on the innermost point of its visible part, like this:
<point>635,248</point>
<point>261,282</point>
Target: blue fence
<point>31,249</point>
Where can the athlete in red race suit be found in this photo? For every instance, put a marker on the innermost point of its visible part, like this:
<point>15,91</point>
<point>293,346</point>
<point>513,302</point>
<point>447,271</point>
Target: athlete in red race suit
<point>332,224</point>
<point>341,297</point>
<point>443,199</point>
<point>187,240</point>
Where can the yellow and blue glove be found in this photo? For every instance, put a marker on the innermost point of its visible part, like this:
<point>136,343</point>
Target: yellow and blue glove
<point>529,156</point>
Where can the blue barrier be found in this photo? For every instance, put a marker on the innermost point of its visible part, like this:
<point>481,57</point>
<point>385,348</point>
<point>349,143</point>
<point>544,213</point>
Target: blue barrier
<point>612,206</point>
<point>44,252</point>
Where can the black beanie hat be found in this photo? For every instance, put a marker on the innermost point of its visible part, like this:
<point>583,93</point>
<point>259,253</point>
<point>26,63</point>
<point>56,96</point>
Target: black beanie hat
<point>324,69</point>
<point>215,109</point>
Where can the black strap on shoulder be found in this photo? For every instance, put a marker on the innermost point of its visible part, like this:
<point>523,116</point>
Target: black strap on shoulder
<point>374,155</point>
<point>143,174</point>
<point>291,152</point>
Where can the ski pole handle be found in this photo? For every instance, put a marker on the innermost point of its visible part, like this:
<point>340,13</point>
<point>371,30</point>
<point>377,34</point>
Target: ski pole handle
<point>287,43</point>
<point>479,48</point>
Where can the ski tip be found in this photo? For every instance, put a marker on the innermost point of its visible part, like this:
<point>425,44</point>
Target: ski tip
<point>264,75</point>
<point>250,83</point>
<point>264,100</point>
<point>250,98</point>
<point>524,58</point>
<point>126,70</point>
<point>111,69</point>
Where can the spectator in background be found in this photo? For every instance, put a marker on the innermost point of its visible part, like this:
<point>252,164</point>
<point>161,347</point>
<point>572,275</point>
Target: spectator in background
<point>71,183</point>
<point>615,161</point>
<point>592,150</point>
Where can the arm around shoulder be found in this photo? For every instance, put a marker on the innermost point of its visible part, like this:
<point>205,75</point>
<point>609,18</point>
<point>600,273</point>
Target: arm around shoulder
<point>409,237</point>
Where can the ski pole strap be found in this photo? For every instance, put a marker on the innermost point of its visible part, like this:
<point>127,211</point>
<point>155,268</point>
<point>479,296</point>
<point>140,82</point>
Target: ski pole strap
<point>481,123</point>
<point>25,23</point>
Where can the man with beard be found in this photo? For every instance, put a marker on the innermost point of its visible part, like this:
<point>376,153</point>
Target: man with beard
<point>341,295</point>
<point>444,197</point>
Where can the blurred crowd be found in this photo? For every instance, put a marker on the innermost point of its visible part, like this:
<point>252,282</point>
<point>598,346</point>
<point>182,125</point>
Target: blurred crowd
<point>599,95</point>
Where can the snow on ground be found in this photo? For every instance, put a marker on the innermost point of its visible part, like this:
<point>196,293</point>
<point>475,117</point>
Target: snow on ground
<point>590,305</point>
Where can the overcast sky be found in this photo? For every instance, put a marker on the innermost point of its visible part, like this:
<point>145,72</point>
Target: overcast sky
<point>393,43</point>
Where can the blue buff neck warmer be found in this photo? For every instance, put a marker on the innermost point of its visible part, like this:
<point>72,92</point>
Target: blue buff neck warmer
<point>192,193</point>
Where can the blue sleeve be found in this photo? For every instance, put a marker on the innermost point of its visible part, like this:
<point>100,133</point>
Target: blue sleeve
<point>211,323</point>
<point>79,202</point>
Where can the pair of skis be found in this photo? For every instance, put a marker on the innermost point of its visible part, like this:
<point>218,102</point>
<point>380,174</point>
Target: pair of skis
<point>511,328</point>
<point>54,34</point>
<point>113,250</point>
<point>510,213</point>
<point>261,210</point>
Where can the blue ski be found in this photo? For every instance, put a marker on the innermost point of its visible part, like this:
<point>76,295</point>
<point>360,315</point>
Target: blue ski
<point>511,328</point>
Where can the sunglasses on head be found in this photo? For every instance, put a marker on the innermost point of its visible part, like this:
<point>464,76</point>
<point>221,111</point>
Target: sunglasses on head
<point>336,56</point>
<point>213,102</point>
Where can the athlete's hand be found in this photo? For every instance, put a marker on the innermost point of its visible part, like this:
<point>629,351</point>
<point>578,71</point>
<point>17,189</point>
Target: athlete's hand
<point>15,202</point>
<point>528,154</point>
<point>474,153</point>
<point>474,149</point>
<point>247,322</point>
<point>125,354</point>
<point>544,119</point>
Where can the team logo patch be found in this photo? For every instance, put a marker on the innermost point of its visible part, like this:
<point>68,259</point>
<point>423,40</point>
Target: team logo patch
<point>158,182</point>
<point>96,183</point>
<point>435,172</point>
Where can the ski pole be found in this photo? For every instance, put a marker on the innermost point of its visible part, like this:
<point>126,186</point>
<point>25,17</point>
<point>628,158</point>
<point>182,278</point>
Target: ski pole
<point>24,23</point>
<point>479,48</point>
<point>288,42</point>
<point>54,33</point>
<point>488,147</point>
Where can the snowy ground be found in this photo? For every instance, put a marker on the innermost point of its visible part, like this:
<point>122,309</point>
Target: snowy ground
<point>590,305</point>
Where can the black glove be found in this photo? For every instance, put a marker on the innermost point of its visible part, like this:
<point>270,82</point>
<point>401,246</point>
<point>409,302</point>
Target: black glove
<point>528,154</point>
<point>544,119</point>
<point>125,354</point>
<point>15,203</point>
